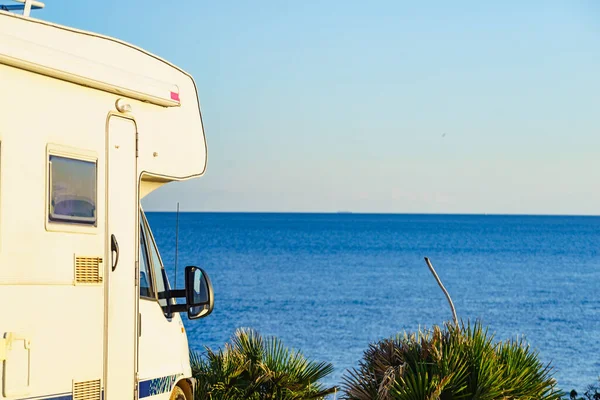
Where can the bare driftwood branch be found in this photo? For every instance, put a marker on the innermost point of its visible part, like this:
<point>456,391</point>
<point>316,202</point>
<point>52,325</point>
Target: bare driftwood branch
<point>437,278</point>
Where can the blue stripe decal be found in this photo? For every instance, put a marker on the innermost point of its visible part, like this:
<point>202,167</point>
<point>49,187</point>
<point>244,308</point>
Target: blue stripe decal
<point>152,387</point>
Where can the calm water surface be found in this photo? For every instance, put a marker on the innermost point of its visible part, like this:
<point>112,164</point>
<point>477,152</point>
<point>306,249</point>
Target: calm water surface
<point>329,284</point>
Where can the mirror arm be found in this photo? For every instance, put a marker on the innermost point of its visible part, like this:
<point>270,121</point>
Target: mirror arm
<point>170,294</point>
<point>178,308</point>
<point>177,293</point>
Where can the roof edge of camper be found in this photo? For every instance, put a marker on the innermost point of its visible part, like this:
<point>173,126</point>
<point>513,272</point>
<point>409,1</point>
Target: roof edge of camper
<point>62,65</point>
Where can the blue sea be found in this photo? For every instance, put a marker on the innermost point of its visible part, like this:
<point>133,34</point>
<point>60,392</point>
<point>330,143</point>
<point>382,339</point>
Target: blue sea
<point>330,284</point>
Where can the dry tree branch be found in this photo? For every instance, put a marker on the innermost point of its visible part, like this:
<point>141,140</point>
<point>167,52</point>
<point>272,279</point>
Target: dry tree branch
<point>437,278</point>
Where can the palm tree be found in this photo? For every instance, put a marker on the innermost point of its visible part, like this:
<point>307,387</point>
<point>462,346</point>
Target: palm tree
<point>255,368</point>
<point>453,362</point>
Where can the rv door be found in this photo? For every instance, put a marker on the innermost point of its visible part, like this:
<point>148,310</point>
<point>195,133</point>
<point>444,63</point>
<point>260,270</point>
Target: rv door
<point>120,340</point>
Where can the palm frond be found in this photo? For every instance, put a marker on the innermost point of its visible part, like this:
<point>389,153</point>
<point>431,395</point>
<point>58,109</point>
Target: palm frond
<point>251,367</point>
<point>455,361</point>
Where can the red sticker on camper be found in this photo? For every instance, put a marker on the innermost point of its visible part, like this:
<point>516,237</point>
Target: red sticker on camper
<point>175,96</point>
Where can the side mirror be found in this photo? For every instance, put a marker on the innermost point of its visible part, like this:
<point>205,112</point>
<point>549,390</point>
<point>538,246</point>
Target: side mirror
<point>198,293</point>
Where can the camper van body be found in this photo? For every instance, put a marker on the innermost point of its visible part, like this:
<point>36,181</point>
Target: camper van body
<point>89,125</point>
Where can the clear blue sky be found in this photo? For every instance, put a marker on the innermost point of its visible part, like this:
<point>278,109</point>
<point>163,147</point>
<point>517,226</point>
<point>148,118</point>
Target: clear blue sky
<point>343,105</point>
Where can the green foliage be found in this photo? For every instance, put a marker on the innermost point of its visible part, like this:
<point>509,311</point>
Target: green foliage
<point>453,362</point>
<point>592,393</point>
<point>251,367</point>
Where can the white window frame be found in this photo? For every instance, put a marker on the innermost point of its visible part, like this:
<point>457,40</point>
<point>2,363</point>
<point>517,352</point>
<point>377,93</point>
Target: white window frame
<point>76,154</point>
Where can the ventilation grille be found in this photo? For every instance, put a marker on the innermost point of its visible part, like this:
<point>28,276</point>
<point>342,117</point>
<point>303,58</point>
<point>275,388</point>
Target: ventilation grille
<point>88,270</point>
<point>88,390</point>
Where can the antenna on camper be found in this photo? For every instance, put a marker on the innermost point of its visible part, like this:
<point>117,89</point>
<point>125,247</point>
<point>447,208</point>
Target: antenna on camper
<point>26,6</point>
<point>176,245</point>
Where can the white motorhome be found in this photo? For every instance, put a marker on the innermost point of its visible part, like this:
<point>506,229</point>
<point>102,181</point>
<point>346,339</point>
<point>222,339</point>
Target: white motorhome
<point>89,125</point>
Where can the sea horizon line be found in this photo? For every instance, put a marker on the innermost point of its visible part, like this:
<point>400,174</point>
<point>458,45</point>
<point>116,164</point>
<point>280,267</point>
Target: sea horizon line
<point>474,214</point>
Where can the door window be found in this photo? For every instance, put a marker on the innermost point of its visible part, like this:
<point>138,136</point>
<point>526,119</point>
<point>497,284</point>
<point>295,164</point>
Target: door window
<point>72,190</point>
